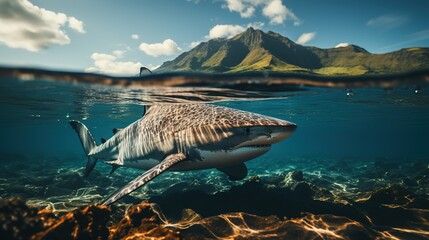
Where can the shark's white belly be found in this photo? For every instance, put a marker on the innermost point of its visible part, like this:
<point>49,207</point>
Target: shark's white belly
<point>209,159</point>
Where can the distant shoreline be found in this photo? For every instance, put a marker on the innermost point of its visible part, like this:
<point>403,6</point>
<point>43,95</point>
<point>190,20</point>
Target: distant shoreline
<point>190,79</point>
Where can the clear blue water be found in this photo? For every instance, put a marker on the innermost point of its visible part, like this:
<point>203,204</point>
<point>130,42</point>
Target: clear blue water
<point>371,123</point>
<point>43,159</point>
<point>363,152</point>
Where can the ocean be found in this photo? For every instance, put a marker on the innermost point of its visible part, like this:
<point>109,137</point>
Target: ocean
<point>357,166</point>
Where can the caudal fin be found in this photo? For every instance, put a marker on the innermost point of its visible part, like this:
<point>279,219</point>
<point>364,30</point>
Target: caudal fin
<point>88,143</point>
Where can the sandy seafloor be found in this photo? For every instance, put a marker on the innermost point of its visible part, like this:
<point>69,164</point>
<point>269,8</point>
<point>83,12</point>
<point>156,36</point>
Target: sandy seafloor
<point>299,198</point>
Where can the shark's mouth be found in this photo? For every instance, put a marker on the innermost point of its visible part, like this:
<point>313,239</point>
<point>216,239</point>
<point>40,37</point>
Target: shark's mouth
<point>260,143</point>
<point>257,146</point>
<point>253,146</point>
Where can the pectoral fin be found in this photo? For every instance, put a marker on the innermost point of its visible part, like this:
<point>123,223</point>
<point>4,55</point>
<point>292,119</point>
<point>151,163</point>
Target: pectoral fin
<point>235,172</point>
<point>150,174</point>
<point>114,167</point>
<point>116,130</point>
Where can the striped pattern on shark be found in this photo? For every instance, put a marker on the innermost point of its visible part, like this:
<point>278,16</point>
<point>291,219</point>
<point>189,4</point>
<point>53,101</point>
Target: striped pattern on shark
<point>181,137</point>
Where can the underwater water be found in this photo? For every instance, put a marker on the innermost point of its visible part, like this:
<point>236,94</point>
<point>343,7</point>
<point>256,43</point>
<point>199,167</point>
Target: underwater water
<point>357,166</point>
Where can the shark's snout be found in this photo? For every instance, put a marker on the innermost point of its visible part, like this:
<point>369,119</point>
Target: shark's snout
<point>283,132</point>
<point>287,127</point>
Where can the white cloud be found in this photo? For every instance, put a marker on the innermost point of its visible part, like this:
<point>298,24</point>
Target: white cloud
<point>229,30</point>
<point>167,47</point>
<point>24,25</point>
<point>119,53</point>
<point>225,31</point>
<point>387,21</point>
<point>75,24</point>
<point>109,64</point>
<point>305,38</point>
<point>102,57</point>
<point>135,36</point>
<point>274,10</point>
<point>246,10</point>
<point>343,44</point>
<point>194,44</point>
<point>278,13</point>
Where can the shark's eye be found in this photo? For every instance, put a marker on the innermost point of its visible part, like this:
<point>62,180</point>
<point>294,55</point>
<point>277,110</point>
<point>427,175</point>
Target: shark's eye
<point>247,130</point>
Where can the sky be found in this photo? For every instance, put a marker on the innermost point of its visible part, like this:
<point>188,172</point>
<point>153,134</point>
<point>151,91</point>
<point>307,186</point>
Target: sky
<point>117,37</point>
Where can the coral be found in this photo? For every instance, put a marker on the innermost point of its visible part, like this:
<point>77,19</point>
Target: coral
<point>142,221</point>
<point>88,223</point>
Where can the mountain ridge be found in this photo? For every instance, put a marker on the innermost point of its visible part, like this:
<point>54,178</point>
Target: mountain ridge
<point>255,50</point>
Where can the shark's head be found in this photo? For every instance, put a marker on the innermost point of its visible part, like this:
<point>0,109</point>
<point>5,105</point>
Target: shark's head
<point>244,135</point>
<point>253,139</point>
<point>262,136</point>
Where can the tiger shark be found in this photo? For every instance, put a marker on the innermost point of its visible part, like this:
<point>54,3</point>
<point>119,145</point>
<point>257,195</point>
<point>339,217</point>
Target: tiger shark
<point>182,137</point>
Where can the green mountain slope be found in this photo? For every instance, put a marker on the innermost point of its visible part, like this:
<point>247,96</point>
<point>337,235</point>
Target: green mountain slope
<point>255,50</point>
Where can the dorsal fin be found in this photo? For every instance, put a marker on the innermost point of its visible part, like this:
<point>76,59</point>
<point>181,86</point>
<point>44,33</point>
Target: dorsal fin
<point>103,140</point>
<point>116,130</point>
<point>146,107</point>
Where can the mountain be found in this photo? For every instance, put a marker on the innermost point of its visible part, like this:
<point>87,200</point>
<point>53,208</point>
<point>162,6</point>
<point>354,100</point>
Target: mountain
<point>255,50</point>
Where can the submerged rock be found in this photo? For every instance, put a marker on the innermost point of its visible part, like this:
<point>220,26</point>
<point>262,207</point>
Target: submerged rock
<point>392,195</point>
<point>423,177</point>
<point>143,221</point>
<point>297,175</point>
<point>409,182</point>
<point>88,223</point>
<point>295,181</point>
<point>18,221</point>
<point>292,178</point>
<point>304,190</point>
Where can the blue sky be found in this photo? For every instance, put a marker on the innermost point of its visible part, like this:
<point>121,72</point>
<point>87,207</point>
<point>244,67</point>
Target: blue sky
<point>97,36</point>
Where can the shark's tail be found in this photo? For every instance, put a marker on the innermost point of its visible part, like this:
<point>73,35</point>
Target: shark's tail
<point>88,143</point>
